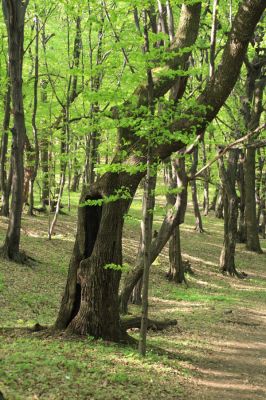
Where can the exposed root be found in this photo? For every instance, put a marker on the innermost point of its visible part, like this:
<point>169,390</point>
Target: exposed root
<point>234,273</point>
<point>152,324</point>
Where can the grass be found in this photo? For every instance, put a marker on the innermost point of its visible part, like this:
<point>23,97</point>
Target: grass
<point>34,366</point>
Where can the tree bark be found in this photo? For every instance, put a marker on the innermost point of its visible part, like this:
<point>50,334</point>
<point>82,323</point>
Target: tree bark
<point>5,181</point>
<point>220,204</point>
<point>14,12</point>
<point>194,192</point>
<point>228,177</point>
<point>97,308</point>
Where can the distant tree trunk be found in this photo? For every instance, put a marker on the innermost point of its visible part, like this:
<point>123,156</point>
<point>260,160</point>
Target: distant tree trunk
<point>252,108</point>
<point>136,297</point>
<point>263,205</point>
<point>220,203</point>
<point>253,242</point>
<point>193,185</point>
<point>176,180</point>
<point>176,270</point>
<point>214,199</point>
<point>228,177</point>
<point>206,201</point>
<point>14,12</point>
<point>76,174</point>
<point>242,234</point>
<point>44,150</point>
<point>33,120</point>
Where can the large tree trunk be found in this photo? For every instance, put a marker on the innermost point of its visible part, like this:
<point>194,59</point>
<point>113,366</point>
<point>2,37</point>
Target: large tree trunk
<point>14,12</point>
<point>90,302</point>
<point>5,181</point>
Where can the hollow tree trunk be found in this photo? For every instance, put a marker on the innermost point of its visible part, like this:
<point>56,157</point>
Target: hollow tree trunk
<point>14,13</point>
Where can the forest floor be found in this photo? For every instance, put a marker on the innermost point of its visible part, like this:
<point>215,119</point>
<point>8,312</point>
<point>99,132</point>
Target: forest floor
<point>217,350</point>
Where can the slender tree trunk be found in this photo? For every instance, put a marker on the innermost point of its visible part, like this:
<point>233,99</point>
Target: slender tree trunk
<point>206,201</point>
<point>220,204</point>
<point>14,13</point>
<point>33,120</point>
<point>228,177</point>
<point>214,199</point>
<point>193,185</point>
<point>242,234</point>
<point>253,242</point>
<point>263,205</point>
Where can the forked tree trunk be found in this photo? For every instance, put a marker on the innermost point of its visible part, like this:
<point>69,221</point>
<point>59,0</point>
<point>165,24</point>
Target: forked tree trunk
<point>14,12</point>
<point>90,302</point>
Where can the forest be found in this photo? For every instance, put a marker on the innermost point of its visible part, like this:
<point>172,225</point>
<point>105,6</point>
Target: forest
<point>133,199</point>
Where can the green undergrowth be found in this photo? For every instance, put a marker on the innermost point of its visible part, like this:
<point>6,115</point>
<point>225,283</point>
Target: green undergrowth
<point>33,366</point>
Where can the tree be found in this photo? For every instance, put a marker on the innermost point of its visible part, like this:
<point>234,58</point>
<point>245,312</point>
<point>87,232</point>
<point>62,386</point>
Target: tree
<point>90,302</point>
<point>14,13</point>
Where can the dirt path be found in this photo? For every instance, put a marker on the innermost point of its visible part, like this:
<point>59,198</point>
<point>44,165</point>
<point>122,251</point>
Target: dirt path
<point>234,365</point>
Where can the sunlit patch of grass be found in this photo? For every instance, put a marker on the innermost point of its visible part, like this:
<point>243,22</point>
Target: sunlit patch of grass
<point>62,369</point>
